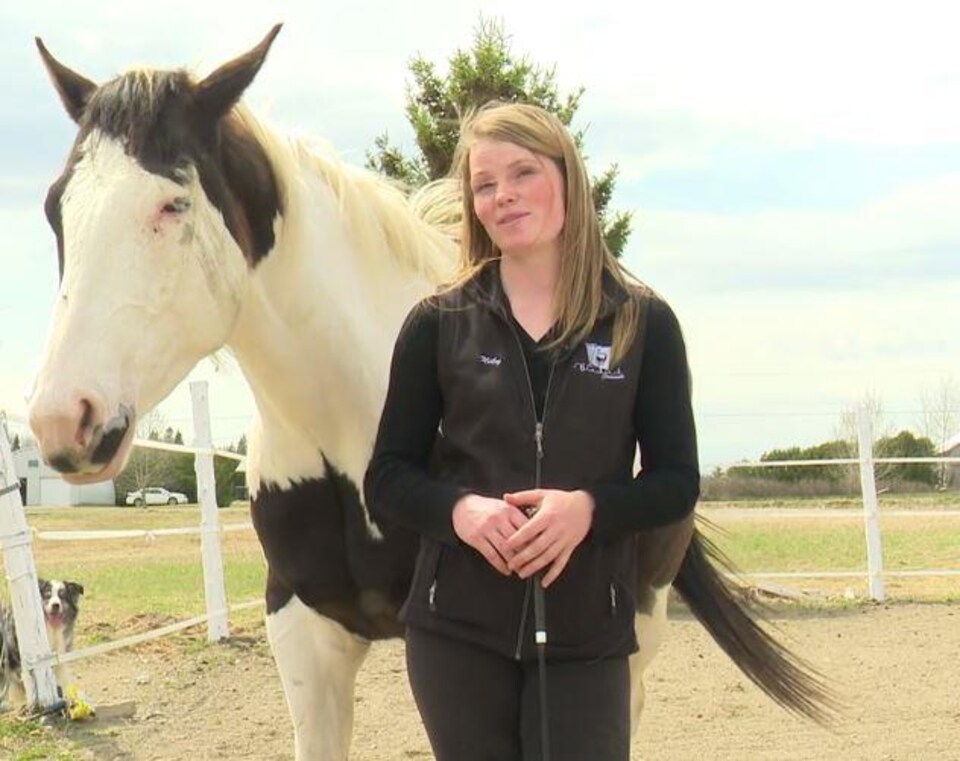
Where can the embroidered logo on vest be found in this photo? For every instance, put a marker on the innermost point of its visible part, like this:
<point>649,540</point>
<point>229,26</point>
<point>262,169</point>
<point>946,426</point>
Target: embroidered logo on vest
<point>598,363</point>
<point>491,360</point>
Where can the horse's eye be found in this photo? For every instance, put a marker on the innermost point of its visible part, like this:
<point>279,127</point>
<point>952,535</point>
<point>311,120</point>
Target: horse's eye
<point>177,205</point>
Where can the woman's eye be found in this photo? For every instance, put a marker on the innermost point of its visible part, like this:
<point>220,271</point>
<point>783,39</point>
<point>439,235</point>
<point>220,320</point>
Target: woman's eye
<point>176,206</point>
<point>484,188</point>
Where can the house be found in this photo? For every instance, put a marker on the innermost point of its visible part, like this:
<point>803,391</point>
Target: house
<point>42,485</point>
<point>951,449</point>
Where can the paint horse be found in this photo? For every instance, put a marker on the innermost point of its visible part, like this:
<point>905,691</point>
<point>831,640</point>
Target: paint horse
<point>184,225</point>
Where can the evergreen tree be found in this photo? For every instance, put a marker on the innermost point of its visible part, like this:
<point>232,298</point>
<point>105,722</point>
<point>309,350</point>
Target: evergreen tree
<point>488,71</point>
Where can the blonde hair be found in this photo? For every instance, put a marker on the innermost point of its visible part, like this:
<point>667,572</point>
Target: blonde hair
<point>584,255</point>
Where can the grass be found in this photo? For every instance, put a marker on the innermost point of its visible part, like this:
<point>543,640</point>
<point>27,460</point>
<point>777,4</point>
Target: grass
<point>774,543</point>
<point>30,740</point>
<point>132,585</point>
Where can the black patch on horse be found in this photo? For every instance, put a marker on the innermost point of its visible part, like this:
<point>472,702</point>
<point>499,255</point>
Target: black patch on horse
<point>317,545</point>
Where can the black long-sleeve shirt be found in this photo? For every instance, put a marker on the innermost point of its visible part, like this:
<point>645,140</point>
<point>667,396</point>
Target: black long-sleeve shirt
<point>662,493</point>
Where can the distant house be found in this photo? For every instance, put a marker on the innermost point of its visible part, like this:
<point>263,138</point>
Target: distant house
<point>240,481</point>
<point>952,449</point>
<point>42,485</point>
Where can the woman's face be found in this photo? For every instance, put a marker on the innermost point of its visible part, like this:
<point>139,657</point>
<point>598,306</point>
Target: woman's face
<point>517,196</point>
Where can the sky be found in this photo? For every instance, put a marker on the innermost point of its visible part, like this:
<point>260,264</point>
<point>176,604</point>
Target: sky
<point>793,171</point>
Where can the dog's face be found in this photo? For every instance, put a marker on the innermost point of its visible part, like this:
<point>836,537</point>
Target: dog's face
<point>61,601</point>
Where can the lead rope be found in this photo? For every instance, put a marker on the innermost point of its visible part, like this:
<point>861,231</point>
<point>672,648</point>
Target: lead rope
<point>540,637</point>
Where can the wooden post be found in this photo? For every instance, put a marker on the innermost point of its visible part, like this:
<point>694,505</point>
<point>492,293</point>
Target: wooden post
<point>214,590</point>
<point>871,508</point>
<point>35,654</point>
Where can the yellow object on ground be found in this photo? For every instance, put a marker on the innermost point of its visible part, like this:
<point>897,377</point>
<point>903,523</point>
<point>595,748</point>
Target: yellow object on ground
<point>77,707</point>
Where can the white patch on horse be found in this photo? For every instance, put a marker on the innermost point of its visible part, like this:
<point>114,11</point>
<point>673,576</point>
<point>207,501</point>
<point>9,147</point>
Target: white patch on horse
<point>158,300</point>
<point>318,661</point>
<point>303,310</point>
<point>651,631</point>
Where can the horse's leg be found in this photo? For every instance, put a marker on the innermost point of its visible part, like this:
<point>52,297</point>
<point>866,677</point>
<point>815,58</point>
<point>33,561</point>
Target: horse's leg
<point>318,660</point>
<point>651,629</point>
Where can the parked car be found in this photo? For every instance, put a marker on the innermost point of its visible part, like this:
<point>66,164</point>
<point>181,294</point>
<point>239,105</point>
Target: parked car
<point>155,495</point>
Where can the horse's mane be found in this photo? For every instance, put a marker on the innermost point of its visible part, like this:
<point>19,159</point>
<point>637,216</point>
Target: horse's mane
<point>417,231</point>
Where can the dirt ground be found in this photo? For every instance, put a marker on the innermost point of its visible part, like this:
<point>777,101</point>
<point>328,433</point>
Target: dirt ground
<point>897,667</point>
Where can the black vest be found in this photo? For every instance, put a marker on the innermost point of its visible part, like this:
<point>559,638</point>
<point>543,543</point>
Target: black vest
<point>491,442</point>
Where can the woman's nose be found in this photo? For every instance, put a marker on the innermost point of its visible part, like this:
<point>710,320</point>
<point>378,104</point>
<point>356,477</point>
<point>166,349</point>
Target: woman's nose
<point>506,194</point>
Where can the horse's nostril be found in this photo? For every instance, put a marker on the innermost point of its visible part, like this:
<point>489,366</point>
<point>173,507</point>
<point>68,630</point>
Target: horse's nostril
<point>113,432</point>
<point>84,433</point>
<point>63,463</point>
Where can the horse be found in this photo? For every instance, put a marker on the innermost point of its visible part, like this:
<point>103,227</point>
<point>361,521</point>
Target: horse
<point>186,225</point>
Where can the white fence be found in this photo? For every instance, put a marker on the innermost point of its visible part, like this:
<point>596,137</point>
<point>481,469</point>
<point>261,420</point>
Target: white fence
<point>38,660</point>
<point>16,537</point>
<point>874,572</point>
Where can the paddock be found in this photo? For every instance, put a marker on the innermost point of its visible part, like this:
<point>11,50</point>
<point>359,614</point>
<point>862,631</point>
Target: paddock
<point>897,665</point>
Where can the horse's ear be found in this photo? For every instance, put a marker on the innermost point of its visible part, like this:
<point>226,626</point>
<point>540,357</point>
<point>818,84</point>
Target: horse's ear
<point>74,89</point>
<point>218,92</point>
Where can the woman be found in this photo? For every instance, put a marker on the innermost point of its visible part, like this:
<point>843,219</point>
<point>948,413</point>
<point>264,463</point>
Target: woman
<point>517,398</point>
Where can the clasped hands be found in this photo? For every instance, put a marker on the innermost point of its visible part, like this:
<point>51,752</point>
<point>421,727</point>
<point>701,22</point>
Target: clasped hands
<point>526,531</point>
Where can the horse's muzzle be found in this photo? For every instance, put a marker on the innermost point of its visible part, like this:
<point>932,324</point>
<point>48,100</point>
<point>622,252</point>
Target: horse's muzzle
<point>80,447</point>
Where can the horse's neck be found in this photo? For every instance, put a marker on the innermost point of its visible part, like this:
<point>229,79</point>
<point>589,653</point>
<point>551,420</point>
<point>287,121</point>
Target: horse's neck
<point>314,339</point>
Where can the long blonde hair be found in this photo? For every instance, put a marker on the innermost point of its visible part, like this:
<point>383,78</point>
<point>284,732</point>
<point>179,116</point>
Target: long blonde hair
<point>584,255</point>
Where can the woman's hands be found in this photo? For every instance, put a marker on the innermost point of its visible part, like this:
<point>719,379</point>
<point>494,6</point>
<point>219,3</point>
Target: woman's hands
<point>547,540</point>
<point>486,524</point>
<point>512,542</point>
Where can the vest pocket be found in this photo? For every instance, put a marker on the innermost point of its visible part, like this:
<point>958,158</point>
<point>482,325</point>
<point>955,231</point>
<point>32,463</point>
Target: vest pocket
<point>423,589</point>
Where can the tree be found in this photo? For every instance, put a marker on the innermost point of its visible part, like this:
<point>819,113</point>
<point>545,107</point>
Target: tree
<point>15,444</point>
<point>906,444</point>
<point>242,445</point>
<point>829,450</point>
<point>146,467</point>
<point>849,426</point>
<point>488,71</point>
<point>940,418</point>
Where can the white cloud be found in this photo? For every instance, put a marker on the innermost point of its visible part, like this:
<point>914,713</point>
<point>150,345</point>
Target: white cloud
<point>899,235</point>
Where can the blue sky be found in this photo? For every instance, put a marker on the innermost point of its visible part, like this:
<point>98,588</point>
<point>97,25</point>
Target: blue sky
<point>793,170</point>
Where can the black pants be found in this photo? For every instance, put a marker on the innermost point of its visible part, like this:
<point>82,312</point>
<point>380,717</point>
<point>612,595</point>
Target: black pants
<point>477,705</point>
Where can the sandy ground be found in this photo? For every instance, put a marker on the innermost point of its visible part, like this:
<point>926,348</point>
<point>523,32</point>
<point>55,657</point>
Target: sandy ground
<point>897,666</point>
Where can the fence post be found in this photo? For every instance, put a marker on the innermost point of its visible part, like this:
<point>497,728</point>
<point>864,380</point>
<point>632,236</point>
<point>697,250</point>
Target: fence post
<point>871,510</point>
<point>35,654</point>
<point>214,590</point>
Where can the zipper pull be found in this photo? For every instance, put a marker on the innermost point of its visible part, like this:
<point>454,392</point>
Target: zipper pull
<point>613,599</point>
<point>538,436</point>
<point>432,597</point>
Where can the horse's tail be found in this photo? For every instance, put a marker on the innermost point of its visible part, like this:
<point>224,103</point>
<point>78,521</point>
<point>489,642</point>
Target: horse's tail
<point>720,606</point>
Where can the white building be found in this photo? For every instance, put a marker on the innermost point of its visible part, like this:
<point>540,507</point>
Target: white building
<point>952,449</point>
<point>42,485</point>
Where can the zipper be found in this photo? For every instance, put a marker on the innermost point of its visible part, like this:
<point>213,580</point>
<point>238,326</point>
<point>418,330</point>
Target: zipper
<point>613,599</point>
<point>538,438</point>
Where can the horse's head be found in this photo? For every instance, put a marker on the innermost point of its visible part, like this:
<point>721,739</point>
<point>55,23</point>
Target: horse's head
<point>166,201</point>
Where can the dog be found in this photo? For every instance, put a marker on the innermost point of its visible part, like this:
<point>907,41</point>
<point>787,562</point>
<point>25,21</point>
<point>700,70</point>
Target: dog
<point>61,605</point>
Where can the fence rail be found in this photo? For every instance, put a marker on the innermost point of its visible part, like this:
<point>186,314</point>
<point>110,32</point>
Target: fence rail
<point>874,572</point>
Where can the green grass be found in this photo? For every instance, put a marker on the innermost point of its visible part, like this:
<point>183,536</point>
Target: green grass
<point>136,584</point>
<point>29,740</point>
<point>781,543</point>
